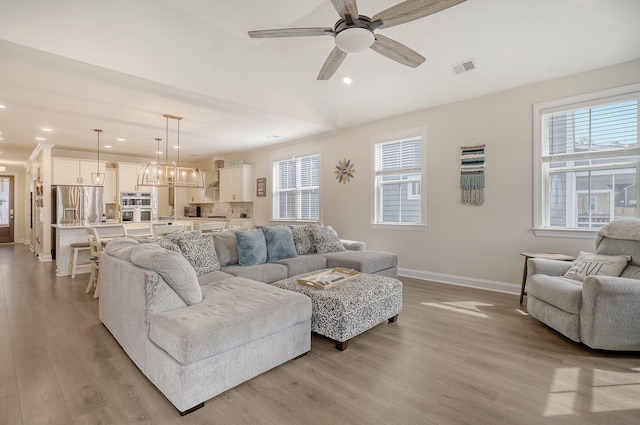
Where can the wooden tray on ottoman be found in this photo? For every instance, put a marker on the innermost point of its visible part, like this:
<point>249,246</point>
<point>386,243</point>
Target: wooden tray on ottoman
<point>329,278</point>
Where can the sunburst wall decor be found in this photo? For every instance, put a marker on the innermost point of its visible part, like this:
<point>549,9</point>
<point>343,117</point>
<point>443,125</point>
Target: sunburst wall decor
<point>344,171</point>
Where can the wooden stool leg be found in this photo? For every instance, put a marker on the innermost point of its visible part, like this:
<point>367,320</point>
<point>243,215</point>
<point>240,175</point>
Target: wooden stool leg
<point>91,277</point>
<point>74,263</point>
<point>96,293</point>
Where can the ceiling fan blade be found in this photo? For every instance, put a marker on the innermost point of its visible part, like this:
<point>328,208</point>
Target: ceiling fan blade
<point>411,10</point>
<point>332,63</point>
<point>346,6</point>
<point>291,32</point>
<point>397,51</point>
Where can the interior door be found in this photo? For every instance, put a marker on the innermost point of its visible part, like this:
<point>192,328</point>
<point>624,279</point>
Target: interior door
<point>6,209</point>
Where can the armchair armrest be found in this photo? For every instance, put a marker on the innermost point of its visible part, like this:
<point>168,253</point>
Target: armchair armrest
<point>548,267</point>
<point>610,313</point>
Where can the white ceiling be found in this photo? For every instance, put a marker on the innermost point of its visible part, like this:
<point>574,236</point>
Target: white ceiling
<point>118,65</point>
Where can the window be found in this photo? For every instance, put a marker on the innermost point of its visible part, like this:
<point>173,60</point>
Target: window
<point>398,181</point>
<point>587,157</point>
<point>296,188</point>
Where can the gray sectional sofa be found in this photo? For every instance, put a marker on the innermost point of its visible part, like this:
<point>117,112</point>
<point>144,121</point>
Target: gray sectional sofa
<point>197,319</point>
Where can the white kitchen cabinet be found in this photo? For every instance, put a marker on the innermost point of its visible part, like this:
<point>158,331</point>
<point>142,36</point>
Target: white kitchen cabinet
<point>111,186</point>
<point>128,177</point>
<point>237,184</point>
<point>69,171</point>
<point>200,196</point>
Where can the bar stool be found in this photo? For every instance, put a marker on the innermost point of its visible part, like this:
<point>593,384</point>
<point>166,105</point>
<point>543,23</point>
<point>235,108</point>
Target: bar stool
<point>77,247</point>
<point>95,244</point>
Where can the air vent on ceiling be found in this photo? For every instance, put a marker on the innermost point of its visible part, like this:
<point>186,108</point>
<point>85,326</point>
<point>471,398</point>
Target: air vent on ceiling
<point>465,66</point>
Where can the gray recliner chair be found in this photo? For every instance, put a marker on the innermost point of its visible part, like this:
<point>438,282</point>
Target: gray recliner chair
<point>603,312</point>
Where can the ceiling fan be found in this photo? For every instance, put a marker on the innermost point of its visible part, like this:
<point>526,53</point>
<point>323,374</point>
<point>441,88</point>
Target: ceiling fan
<point>355,33</point>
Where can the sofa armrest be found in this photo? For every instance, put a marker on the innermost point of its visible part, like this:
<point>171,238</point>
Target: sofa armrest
<point>610,313</point>
<point>353,245</point>
<point>548,267</point>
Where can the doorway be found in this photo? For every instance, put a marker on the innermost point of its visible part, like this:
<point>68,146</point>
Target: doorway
<point>6,209</point>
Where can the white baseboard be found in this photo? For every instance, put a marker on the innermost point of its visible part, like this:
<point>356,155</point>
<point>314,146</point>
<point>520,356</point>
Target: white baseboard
<point>490,285</point>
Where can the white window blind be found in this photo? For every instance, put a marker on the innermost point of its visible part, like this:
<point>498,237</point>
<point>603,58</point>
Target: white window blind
<point>588,162</point>
<point>398,180</point>
<point>296,189</point>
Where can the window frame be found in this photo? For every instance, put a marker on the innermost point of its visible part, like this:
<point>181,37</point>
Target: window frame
<point>275,189</point>
<point>398,136</point>
<point>541,181</point>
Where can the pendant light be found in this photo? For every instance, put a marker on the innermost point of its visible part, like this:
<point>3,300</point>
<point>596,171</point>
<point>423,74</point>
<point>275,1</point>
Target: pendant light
<point>170,174</point>
<point>97,178</point>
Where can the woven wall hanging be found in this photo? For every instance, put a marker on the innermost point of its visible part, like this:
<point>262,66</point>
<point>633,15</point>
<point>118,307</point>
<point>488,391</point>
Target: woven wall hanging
<point>472,175</point>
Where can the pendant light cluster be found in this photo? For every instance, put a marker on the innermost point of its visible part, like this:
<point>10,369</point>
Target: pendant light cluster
<point>170,174</point>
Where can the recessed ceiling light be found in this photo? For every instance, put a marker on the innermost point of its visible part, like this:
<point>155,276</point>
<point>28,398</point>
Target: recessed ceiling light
<point>108,146</point>
<point>42,139</point>
<point>347,80</point>
<point>46,129</point>
<point>2,107</point>
<point>120,139</point>
<point>176,147</point>
<point>159,152</point>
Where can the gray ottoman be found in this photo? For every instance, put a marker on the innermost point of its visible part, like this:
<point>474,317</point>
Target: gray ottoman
<point>347,310</point>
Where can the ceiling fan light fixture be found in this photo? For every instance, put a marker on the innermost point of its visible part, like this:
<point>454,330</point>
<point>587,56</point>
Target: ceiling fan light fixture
<point>354,40</point>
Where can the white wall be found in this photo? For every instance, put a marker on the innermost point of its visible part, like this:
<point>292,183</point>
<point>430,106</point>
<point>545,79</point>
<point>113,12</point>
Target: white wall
<point>461,243</point>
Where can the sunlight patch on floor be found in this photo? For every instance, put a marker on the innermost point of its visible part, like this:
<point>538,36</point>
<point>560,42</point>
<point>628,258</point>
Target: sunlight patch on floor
<point>465,307</point>
<point>615,391</point>
<point>524,313</point>
<point>563,392</point>
<point>607,390</point>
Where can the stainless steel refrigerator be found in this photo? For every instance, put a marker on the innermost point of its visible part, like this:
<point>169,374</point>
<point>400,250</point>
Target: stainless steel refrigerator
<point>77,204</point>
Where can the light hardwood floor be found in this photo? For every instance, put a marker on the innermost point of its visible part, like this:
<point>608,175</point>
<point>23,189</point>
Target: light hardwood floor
<point>456,356</point>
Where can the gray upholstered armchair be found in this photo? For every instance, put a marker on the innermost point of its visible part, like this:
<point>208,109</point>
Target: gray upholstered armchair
<point>603,312</point>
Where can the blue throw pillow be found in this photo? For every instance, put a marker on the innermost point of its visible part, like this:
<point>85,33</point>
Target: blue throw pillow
<point>279,243</point>
<point>252,247</point>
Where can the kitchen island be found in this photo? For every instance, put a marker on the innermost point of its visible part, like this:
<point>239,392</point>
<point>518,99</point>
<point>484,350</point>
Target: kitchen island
<point>66,234</point>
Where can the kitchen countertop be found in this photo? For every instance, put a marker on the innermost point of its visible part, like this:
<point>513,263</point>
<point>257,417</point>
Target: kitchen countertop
<point>113,223</point>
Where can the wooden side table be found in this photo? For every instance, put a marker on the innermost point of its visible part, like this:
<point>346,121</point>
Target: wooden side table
<point>527,255</point>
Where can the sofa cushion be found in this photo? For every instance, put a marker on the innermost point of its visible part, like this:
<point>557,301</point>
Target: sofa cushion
<point>200,253</point>
<point>279,242</point>
<point>363,261</point>
<point>121,247</point>
<point>588,264</point>
<point>233,312</point>
<point>213,277</point>
<point>226,247</point>
<point>252,247</point>
<point>173,268</point>
<point>304,264</point>
<point>326,239</point>
<point>303,239</point>
<point>171,241</point>
<point>267,272</point>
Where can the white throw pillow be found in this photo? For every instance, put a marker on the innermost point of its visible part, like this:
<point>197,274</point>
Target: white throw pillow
<point>588,264</point>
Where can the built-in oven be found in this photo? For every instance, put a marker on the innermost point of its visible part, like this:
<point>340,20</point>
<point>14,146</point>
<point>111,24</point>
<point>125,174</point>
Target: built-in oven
<point>135,199</point>
<point>132,214</point>
<point>136,206</point>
